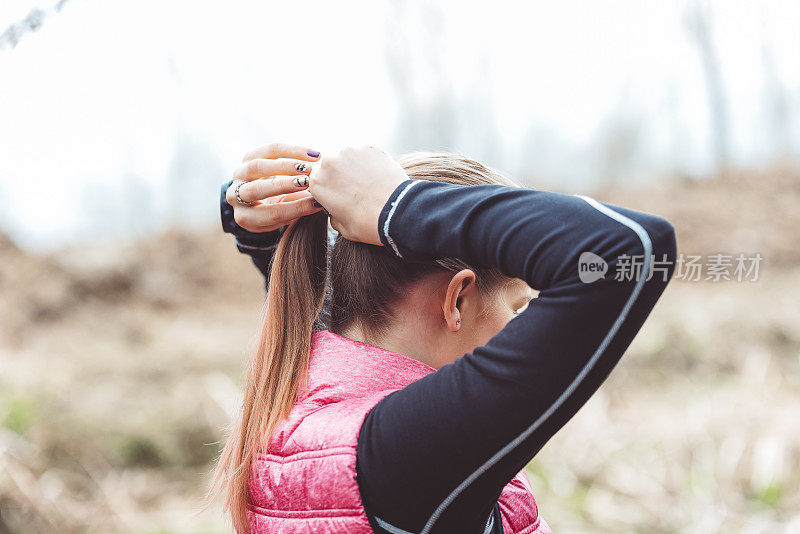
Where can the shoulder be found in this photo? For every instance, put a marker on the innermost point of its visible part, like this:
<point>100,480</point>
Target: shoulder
<point>322,427</point>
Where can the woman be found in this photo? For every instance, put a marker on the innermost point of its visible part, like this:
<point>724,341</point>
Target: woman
<point>416,405</point>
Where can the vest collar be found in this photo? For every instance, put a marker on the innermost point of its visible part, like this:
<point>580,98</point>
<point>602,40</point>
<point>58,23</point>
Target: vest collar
<point>340,368</point>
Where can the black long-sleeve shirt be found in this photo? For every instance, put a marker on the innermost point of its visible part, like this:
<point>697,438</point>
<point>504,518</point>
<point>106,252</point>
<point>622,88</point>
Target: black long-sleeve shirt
<point>435,455</point>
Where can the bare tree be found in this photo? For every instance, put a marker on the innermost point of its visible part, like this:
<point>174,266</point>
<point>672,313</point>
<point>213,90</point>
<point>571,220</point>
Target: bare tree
<point>778,105</point>
<point>620,143</point>
<point>28,24</point>
<point>439,120</point>
<point>430,123</point>
<point>138,210</point>
<point>698,19</point>
<point>194,174</point>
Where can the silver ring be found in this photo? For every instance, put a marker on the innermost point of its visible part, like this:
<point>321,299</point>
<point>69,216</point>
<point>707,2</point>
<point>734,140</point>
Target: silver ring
<point>239,199</point>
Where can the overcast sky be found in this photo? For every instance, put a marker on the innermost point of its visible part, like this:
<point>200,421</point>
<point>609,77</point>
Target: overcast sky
<point>110,99</point>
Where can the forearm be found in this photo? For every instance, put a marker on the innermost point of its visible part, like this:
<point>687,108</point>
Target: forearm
<point>260,246</point>
<point>528,234</point>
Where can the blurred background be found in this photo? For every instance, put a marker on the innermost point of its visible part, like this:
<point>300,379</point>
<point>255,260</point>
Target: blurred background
<point>126,315</point>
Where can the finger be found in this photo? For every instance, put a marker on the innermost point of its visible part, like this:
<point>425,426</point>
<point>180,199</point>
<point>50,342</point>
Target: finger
<point>288,197</point>
<point>271,187</point>
<point>271,216</point>
<point>262,168</point>
<point>281,150</point>
<point>230,196</point>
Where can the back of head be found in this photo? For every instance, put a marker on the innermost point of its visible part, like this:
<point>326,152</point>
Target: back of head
<point>366,283</point>
<point>368,280</point>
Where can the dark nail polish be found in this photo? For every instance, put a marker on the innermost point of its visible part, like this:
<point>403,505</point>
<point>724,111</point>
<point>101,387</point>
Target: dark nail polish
<point>317,204</point>
<point>301,181</point>
<point>300,167</point>
<point>313,153</point>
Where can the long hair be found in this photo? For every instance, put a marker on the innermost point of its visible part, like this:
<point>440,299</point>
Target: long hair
<point>366,282</point>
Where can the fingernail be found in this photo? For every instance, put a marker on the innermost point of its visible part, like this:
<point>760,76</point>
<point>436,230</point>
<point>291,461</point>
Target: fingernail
<point>301,167</point>
<point>317,204</point>
<point>301,181</point>
<point>313,153</point>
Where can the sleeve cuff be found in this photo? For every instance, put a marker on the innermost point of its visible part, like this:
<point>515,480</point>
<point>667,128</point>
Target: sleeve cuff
<point>244,238</point>
<point>388,212</point>
<point>250,247</point>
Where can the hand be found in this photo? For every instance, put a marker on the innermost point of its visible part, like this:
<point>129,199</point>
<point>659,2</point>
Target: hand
<point>269,172</point>
<point>354,185</point>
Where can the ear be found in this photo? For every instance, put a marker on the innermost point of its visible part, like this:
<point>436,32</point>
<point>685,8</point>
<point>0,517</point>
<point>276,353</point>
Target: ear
<point>461,286</point>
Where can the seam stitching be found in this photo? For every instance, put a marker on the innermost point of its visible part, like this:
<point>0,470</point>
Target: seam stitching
<point>251,247</point>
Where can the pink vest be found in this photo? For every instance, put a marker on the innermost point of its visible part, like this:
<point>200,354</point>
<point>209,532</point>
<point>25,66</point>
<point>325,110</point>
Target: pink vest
<point>307,482</point>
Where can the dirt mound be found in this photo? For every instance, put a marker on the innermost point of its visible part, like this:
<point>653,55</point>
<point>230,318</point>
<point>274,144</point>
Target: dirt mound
<point>734,212</point>
<point>174,269</point>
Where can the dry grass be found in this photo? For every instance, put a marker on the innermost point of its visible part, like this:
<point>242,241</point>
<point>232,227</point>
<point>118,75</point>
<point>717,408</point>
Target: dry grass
<point>119,368</point>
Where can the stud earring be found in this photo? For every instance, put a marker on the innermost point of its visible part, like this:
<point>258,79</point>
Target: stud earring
<point>458,321</point>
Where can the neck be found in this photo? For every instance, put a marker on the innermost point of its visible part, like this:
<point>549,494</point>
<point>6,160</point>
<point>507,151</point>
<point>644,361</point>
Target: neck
<point>399,341</point>
<point>412,330</point>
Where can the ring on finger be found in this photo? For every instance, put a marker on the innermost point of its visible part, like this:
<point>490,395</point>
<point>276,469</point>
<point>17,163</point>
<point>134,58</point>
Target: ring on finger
<point>239,199</point>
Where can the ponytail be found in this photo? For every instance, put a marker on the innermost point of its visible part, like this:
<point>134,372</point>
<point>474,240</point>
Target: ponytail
<point>279,366</point>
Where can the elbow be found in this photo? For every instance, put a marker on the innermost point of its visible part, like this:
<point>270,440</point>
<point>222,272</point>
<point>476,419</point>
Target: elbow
<point>653,239</point>
<point>664,239</point>
<point>639,237</point>
<point>665,247</point>
<point>649,231</point>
